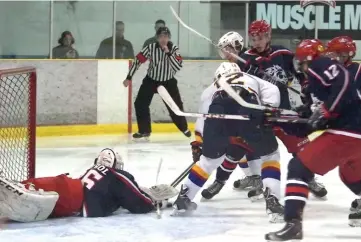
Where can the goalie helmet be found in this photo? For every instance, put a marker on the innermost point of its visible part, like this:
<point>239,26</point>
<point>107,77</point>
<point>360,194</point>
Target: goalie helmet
<point>226,69</point>
<point>109,158</point>
<point>231,41</point>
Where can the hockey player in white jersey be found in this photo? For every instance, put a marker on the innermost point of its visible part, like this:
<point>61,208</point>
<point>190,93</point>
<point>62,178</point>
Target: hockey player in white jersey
<point>232,42</point>
<point>232,139</point>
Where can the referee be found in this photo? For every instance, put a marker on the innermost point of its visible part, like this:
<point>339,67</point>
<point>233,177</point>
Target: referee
<point>164,62</point>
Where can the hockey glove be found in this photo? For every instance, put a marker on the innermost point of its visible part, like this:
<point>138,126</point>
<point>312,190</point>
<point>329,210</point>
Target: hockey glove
<point>196,150</point>
<point>304,111</point>
<point>319,118</point>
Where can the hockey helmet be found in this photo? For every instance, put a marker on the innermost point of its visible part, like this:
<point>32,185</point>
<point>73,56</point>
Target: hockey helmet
<point>226,69</point>
<point>231,41</point>
<point>163,31</point>
<point>259,27</point>
<point>309,49</point>
<point>342,45</point>
<point>109,158</point>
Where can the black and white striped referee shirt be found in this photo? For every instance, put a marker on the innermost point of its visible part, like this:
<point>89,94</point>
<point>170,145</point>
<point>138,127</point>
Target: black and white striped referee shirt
<point>162,66</point>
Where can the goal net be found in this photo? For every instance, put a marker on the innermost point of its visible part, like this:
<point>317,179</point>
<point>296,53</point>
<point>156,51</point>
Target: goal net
<point>17,123</point>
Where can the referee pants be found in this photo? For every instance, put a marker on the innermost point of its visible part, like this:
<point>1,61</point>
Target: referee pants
<point>144,99</point>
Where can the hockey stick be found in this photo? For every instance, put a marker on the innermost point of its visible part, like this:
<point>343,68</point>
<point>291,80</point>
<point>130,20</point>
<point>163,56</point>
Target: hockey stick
<point>232,54</point>
<point>159,214</point>
<point>182,175</point>
<point>174,107</point>
<point>163,93</point>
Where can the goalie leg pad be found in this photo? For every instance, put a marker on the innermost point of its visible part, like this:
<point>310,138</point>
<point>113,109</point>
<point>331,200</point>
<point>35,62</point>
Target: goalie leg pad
<point>22,205</point>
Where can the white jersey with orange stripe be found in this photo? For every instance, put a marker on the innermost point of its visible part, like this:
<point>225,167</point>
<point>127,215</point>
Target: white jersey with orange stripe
<point>266,92</point>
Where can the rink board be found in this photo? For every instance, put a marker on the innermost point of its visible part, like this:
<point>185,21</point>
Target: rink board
<point>73,130</point>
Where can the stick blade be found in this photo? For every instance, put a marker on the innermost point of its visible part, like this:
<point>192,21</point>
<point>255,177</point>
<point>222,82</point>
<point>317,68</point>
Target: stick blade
<point>163,93</point>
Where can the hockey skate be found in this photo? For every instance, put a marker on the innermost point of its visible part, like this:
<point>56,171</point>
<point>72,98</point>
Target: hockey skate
<point>356,205</point>
<point>247,183</point>
<point>141,136</point>
<point>183,205</point>
<point>317,189</point>
<point>212,190</point>
<point>274,209</point>
<point>256,194</point>
<point>291,231</point>
<point>354,218</point>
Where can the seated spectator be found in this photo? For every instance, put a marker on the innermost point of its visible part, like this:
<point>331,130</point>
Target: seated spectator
<point>65,48</point>
<point>159,23</point>
<point>123,47</point>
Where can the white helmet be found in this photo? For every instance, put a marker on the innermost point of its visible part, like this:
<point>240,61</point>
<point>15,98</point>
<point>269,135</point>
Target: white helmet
<point>109,158</point>
<point>226,69</point>
<point>232,41</point>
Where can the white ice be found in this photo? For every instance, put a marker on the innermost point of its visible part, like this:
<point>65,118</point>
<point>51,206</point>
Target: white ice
<point>229,217</point>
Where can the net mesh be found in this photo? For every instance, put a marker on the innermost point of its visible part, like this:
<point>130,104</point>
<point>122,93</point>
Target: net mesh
<point>16,132</point>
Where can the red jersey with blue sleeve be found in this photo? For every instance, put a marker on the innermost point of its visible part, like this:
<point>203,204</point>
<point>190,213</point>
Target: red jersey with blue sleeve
<point>330,83</point>
<point>276,64</point>
<point>355,73</point>
<point>106,190</point>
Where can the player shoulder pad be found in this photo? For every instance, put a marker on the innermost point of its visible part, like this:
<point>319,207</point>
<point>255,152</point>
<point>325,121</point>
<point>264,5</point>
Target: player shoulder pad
<point>248,53</point>
<point>276,48</point>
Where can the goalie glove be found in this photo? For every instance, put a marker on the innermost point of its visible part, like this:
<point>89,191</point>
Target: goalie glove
<point>160,193</point>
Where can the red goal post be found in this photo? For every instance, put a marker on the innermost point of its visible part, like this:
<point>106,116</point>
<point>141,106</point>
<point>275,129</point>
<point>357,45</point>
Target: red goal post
<point>17,122</point>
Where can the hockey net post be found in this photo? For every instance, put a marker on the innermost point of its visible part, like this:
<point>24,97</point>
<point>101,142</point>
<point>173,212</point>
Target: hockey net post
<point>17,123</point>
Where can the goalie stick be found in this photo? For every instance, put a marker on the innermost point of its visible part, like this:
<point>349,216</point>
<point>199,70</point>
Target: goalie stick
<point>163,93</point>
<point>159,213</point>
<point>234,55</point>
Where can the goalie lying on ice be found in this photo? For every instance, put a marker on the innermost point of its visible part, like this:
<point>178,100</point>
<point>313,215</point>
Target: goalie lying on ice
<point>102,190</point>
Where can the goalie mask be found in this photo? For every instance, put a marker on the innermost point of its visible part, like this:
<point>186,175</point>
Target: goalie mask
<point>231,42</point>
<point>109,158</point>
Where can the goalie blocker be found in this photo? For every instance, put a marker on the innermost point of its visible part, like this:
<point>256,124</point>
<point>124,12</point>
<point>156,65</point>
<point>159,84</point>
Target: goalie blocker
<point>103,189</point>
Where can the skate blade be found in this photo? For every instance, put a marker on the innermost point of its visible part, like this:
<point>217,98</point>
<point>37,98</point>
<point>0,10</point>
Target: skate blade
<point>240,189</point>
<point>292,240</point>
<point>258,198</point>
<point>324,198</point>
<point>184,212</point>
<point>203,199</point>
<point>354,223</point>
<point>276,218</point>
<point>141,140</point>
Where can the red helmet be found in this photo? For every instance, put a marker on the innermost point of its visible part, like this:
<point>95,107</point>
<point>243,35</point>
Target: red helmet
<point>342,44</point>
<point>309,49</point>
<point>259,27</point>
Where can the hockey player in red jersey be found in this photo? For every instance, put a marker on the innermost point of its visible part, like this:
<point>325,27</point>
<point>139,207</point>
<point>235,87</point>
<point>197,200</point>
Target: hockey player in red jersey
<point>343,49</point>
<point>339,113</point>
<point>102,190</point>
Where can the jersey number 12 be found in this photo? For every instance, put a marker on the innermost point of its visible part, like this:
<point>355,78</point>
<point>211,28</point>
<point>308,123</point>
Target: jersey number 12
<point>332,72</point>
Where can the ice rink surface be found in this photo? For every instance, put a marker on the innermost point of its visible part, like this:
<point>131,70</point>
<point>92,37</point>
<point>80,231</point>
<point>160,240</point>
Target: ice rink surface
<point>229,217</point>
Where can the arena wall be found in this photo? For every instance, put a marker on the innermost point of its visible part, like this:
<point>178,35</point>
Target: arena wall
<point>87,96</point>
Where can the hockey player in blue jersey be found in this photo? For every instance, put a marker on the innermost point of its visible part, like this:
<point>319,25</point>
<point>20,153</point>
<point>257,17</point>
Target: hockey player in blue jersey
<point>339,114</point>
<point>343,49</point>
<point>102,190</point>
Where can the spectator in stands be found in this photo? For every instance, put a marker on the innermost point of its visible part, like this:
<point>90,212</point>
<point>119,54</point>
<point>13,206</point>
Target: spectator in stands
<point>123,47</point>
<point>65,49</point>
<point>159,23</point>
